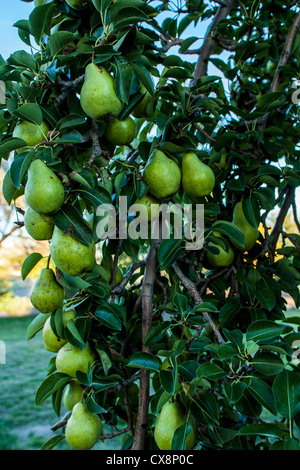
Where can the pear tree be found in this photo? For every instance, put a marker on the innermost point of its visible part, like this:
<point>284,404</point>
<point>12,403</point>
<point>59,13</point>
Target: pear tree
<point>164,104</point>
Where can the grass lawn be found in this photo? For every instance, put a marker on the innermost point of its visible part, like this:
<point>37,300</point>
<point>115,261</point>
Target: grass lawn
<point>24,426</point>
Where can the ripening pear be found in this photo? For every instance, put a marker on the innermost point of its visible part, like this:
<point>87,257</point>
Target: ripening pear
<point>38,226</point>
<point>223,258</point>
<point>198,179</point>
<point>31,133</point>
<point>44,192</point>
<point>47,294</point>
<point>169,419</point>
<point>78,4</point>
<point>162,175</point>
<point>121,132</point>
<point>72,394</point>
<point>152,206</point>
<point>140,110</point>
<point>69,254</point>
<point>250,233</point>
<point>52,342</point>
<point>70,359</point>
<point>98,96</point>
<point>83,428</point>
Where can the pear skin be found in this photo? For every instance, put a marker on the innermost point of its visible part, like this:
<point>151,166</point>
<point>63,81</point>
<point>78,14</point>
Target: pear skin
<point>69,254</point>
<point>72,394</point>
<point>47,294</point>
<point>70,359</point>
<point>44,192</point>
<point>223,258</point>
<point>151,204</point>
<point>250,233</point>
<point>162,175</point>
<point>121,132</point>
<point>170,418</point>
<point>52,342</point>
<point>31,133</point>
<point>38,226</point>
<point>98,96</point>
<point>83,428</point>
<point>198,179</point>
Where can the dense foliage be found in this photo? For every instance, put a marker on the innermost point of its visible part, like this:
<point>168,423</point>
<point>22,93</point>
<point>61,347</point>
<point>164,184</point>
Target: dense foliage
<point>228,98</point>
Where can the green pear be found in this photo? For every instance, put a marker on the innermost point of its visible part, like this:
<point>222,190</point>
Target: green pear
<point>140,111</point>
<point>38,226</point>
<point>98,96</point>
<point>83,428</point>
<point>198,179</point>
<point>169,419</point>
<point>47,294</point>
<point>70,359</point>
<point>162,175</point>
<point>51,342</point>
<point>223,258</point>
<point>151,204</point>
<point>44,192</point>
<point>72,394</point>
<point>250,233</point>
<point>31,133</point>
<point>121,132</point>
<point>67,314</point>
<point>69,254</point>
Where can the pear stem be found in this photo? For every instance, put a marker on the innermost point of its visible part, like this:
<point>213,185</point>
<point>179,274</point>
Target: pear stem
<point>48,261</point>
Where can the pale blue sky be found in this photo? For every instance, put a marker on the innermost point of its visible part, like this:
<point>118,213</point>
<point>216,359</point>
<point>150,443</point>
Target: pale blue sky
<point>11,12</point>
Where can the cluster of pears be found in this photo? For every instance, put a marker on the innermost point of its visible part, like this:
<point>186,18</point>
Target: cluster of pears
<point>100,102</point>
<point>171,417</point>
<point>163,176</point>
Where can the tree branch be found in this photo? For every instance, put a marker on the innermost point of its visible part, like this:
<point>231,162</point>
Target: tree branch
<point>208,45</point>
<point>147,306</point>
<point>190,286</point>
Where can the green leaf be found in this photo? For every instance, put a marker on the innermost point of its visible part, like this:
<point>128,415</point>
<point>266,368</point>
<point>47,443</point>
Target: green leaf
<point>261,429</point>
<point>127,16</point>
<point>180,436</point>
<point>230,230</point>
<point>13,143</point>
<point>262,392</point>
<point>263,330</point>
<point>30,112</point>
<point>36,325</point>
<point>52,442</point>
<point>73,336</point>
<point>267,363</point>
<point>266,100</point>
<point>29,263</point>
<point>22,59</point>
<point>59,40</point>
<point>210,371</point>
<point>168,252</point>
<point>69,216</point>
<point>123,80</point>
<point>286,390</point>
<point>108,318</point>
<point>50,385</point>
<point>144,360</point>
<point>40,20</point>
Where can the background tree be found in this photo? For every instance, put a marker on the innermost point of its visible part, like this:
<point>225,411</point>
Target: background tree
<point>199,339</point>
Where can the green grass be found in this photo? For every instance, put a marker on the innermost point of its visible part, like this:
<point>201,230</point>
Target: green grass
<point>25,426</point>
